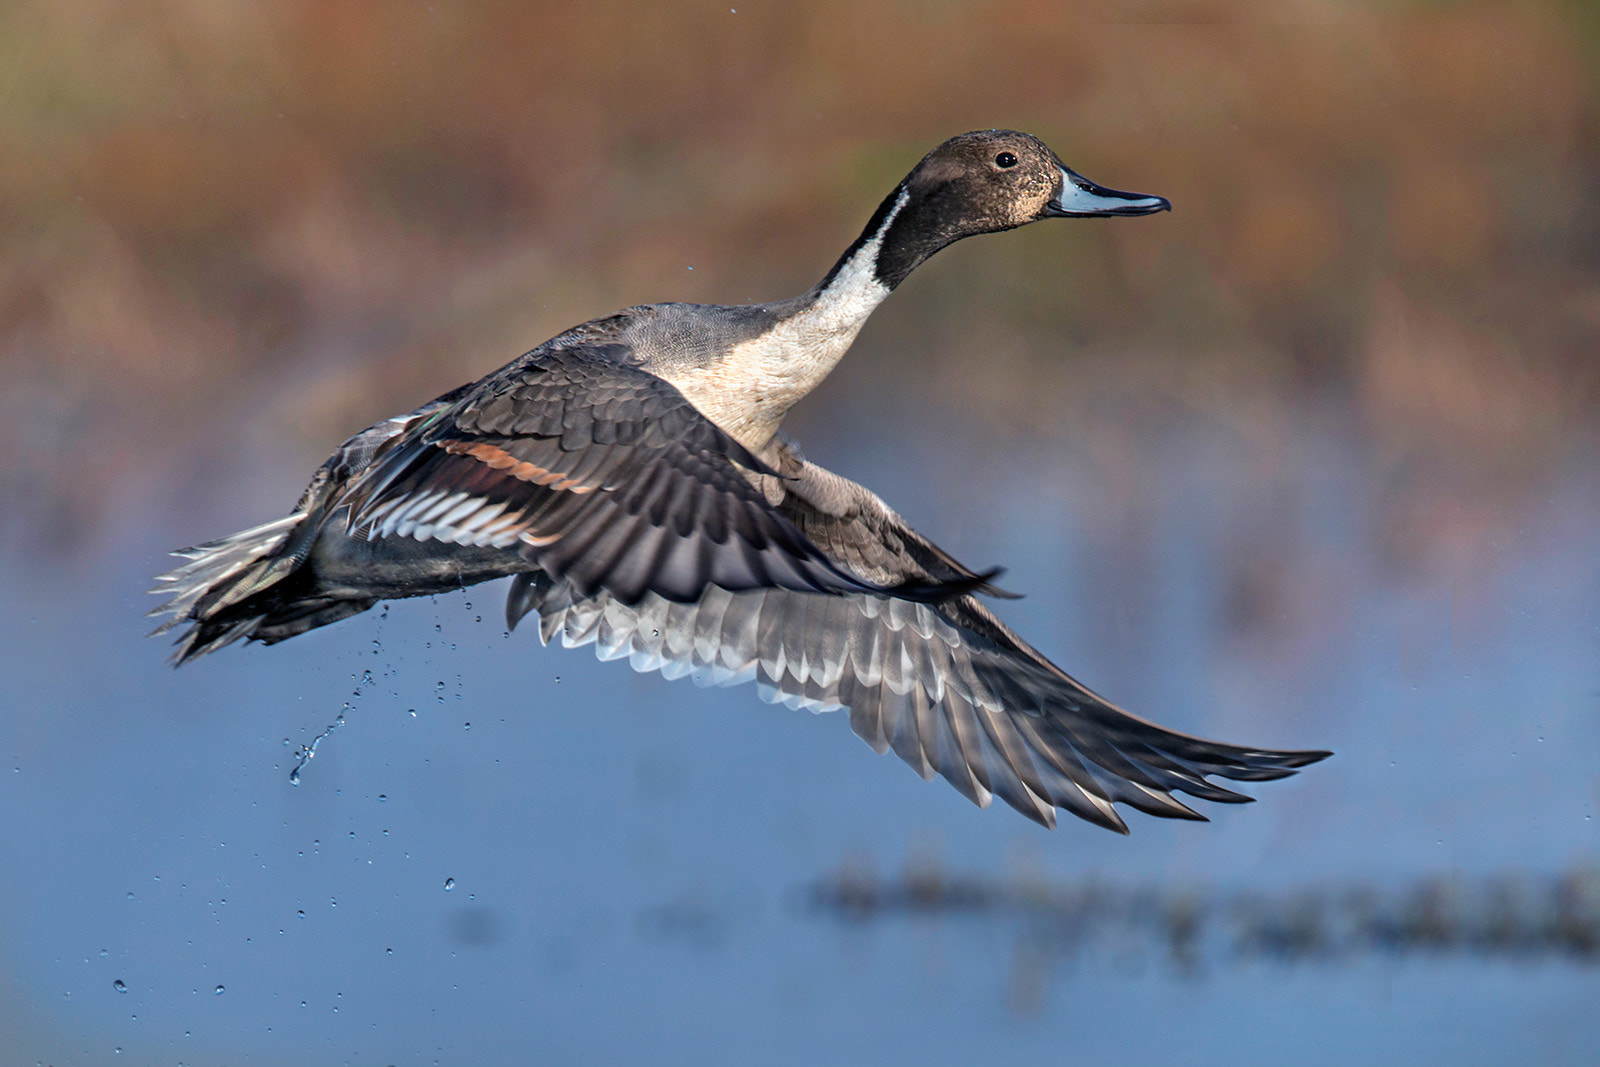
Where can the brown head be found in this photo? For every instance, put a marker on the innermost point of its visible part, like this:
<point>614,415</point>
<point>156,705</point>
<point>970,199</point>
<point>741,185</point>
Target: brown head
<point>984,182</point>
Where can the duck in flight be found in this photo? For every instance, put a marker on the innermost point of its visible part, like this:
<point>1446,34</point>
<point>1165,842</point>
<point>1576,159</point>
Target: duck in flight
<point>628,476</point>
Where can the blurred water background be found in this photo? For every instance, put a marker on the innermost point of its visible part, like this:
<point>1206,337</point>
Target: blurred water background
<point>1309,462</point>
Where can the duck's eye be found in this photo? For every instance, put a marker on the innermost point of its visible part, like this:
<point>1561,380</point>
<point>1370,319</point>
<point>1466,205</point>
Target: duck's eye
<point>1005,159</point>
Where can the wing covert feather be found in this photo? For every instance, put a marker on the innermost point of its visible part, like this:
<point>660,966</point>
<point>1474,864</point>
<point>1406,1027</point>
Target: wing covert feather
<point>597,472</point>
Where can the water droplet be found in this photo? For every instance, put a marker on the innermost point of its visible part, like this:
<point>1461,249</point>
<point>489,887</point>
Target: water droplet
<point>104,953</point>
<point>412,711</point>
<point>301,913</point>
<point>449,884</point>
<point>294,776</point>
<point>383,798</point>
<point>120,986</point>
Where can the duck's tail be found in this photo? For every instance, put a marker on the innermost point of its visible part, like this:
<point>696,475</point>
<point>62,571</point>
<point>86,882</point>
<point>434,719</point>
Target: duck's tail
<point>244,585</point>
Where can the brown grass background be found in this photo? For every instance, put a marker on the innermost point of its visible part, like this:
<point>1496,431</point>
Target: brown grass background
<point>231,234</point>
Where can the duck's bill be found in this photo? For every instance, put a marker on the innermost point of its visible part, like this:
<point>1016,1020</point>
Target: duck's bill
<point>1082,198</point>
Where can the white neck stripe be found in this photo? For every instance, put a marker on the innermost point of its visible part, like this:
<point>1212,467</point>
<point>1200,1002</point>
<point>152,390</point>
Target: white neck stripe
<point>861,270</point>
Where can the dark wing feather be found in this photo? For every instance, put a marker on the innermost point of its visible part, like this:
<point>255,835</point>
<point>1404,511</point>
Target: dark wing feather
<point>599,473</point>
<point>947,686</point>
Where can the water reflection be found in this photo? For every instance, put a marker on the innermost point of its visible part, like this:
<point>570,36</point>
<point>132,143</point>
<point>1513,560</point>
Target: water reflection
<point>1509,916</point>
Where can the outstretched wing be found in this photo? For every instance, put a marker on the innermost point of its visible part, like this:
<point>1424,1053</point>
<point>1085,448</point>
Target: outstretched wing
<point>599,473</point>
<point>947,686</point>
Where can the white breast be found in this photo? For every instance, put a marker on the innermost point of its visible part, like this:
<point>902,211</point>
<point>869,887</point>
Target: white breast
<point>750,388</point>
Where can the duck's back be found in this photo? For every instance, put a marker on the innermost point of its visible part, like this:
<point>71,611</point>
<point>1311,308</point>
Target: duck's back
<point>581,458</point>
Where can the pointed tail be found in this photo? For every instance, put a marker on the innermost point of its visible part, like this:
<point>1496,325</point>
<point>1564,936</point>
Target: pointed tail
<point>234,587</point>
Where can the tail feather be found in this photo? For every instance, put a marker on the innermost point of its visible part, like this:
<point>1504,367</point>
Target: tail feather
<point>228,567</point>
<point>231,588</point>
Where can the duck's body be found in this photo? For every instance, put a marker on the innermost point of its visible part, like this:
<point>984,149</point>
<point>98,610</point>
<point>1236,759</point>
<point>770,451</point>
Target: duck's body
<point>629,475</point>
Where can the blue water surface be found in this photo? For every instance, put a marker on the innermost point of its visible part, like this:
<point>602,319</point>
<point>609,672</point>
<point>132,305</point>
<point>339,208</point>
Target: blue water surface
<point>509,854</point>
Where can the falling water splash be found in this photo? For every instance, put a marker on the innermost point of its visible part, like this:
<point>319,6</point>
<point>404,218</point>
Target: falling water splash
<point>308,751</point>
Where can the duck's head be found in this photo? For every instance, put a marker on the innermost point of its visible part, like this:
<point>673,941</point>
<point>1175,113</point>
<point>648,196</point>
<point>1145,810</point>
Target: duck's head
<point>984,182</point>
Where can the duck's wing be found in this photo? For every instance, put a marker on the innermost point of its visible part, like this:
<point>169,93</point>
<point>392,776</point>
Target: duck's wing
<point>946,685</point>
<point>597,472</point>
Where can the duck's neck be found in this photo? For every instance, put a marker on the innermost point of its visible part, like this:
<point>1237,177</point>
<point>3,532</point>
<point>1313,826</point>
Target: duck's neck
<point>897,240</point>
<point>840,303</point>
<point>749,390</point>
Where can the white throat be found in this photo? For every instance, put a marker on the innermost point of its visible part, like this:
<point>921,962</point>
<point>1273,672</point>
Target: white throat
<point>749,390</point>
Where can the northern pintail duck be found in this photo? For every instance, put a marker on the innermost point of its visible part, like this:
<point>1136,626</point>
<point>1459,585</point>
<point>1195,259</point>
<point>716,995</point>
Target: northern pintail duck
<point>628,476</point>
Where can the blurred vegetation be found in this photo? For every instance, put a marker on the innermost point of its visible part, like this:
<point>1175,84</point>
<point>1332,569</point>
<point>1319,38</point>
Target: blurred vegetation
<point>232,233</point>
<point>1511,916</point>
